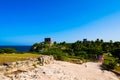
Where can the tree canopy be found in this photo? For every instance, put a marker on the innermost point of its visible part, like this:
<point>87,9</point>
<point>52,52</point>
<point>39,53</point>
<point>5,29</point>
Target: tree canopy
<point>80,48</point>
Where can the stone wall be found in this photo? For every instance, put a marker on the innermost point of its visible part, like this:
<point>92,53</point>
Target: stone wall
<point>10,67</point>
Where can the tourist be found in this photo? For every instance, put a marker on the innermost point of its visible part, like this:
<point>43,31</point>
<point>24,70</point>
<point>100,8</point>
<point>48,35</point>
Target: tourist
<point>100,58</point>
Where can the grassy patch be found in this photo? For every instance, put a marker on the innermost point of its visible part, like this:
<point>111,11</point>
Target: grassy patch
<point>16,57</point>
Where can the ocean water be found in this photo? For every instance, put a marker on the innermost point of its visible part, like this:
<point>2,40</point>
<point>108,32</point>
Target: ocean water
<point>18,48</point>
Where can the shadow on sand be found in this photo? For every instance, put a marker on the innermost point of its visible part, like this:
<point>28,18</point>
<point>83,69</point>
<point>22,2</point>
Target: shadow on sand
<point>103,68</point>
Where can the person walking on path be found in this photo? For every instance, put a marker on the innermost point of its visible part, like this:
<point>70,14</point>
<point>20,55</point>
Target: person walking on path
<point>100,58</point>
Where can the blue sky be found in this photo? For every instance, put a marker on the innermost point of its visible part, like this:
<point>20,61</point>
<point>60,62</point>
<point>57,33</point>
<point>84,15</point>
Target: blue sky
<point>24,22</point>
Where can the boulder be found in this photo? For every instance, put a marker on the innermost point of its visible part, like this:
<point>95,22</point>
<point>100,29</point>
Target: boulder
<point>46,59</point>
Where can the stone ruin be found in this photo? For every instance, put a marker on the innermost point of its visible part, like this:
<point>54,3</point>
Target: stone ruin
<point>10,67</point>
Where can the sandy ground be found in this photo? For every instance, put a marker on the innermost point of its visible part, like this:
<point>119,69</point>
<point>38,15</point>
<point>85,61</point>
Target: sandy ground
<point>65,71</point>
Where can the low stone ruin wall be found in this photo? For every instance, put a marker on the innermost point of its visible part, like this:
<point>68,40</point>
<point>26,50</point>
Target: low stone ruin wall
<point>10,67</point>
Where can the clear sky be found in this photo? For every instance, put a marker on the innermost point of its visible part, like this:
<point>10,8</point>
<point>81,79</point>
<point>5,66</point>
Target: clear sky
<point>24,22</point>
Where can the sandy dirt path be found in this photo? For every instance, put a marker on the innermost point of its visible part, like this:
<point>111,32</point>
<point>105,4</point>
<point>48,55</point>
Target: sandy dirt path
<point>66,71</point>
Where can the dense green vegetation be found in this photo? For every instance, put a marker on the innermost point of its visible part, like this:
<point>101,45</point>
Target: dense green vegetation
<point>8,50</point>
<point>84,50</point>
<point>110,62</point>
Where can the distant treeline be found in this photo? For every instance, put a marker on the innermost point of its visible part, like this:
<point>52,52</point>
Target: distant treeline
<point>84,49</point>
<point>8,50</point>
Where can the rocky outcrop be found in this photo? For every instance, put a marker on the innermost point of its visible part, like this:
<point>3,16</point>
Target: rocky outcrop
<point>10,67</point>
<point>46,60</point>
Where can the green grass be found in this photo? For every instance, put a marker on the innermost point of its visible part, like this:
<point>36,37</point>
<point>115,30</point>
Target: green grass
<point>16,57</point>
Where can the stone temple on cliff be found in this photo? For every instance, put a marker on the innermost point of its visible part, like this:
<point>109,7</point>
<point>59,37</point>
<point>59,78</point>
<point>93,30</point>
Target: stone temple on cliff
<point>48,40</point>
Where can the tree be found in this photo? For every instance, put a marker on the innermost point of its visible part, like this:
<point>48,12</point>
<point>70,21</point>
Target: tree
<point>1,51</point>
<point>39,47</point>
<point>101,41</point>
<point>55,42</point>
<point>8,50</point>
<point>116,53</point>
<point>94,50</point>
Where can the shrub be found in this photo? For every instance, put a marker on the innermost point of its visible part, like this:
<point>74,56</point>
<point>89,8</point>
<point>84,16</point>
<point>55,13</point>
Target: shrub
<point>116,53</point>
<point>8,50</point>
<point>110,62</point>
<point>110,65</point>
<point>57,53</point>
<point>1,51</point>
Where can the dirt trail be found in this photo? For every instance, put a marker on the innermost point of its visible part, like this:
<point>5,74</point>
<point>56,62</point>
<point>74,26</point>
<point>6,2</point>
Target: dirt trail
<point>66,71</point>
